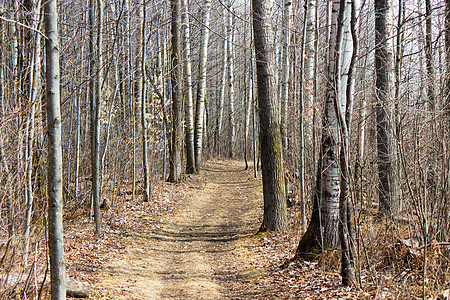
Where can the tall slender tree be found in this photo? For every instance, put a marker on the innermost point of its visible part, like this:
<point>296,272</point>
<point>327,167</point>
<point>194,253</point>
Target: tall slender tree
<point>429,56</point>
<point>284,70</point>
<point>55,180</point>
<point>231,79</point>
<point>201,91</point>
<point>447,57</point>
<point>144,107</point>
<point>177,101</point>
<point>218,134</point>
<point>384,47</point>
<point>270,135</point>
<point>189,101</point>
<point>322,231</point>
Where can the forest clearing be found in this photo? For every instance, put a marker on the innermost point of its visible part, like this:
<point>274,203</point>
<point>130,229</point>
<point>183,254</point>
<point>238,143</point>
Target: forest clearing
<point>225,149</point>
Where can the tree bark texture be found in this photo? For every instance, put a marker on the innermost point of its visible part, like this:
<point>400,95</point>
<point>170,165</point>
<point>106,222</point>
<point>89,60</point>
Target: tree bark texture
<point>284,71</point>
<point>429,57</point>
<point>189,100</point>
<point>322,231</point>
<point>177,97</point>
<point>447,56</point>
<point>55,180</point>
<point>231,79</point>
<point>144,109</point>
<point>218,136</point>
<point>201,91</point>
<point>270,135</point>
<point>389,202</point>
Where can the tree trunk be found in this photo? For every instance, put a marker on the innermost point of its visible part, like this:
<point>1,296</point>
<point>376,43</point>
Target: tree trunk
<point>322,230</point>
<point>447,56</point>
<point>218,136</point>
<point>34,80</point>
<point>144,109</point>
<point>201,91</point>
<point>189,106</point>
<point>429,57</point>
<point>177,100</point>
<point>389,202</point>
<point>230,54</point>
<point>349,46</point>
<point>55,188</point>
<point>270,135</point>
<point>284,71</point>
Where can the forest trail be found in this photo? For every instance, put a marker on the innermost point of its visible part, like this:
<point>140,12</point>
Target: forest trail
<point>196,252</point>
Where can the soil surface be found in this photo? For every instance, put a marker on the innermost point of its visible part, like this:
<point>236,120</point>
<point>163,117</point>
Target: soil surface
<point>198,252</point>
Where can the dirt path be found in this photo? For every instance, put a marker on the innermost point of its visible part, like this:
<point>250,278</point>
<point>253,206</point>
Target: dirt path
<point>195,253</point>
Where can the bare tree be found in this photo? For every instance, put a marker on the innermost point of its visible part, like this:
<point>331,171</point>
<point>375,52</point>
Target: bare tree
<point>218,133</point>
<point>270,135</point>
<point>447,46</point>
<point>55,188</point>
<point>384,47</point>
<point>177,131</point>
<point>189,102</point>
<point>322,230</point>
<point>284,70</point>
<point>231,80</point>
<point>201,91</point>
<point>144,107</point>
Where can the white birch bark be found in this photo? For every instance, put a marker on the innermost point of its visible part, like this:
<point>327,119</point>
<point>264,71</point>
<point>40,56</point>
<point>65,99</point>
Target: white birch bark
<point>201,91</point>
<point>189,100</point>
<point>230,54</point>
<point>222,85</point>
<point>34,73</point>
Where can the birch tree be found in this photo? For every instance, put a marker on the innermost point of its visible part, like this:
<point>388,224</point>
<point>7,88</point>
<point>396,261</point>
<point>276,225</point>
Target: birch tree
<point>201,91</point>
<point>231,83</point>
<point>222,85</point>
<point>270,135</point>
<point>322,231</point>
<point>189,101</point>
<point>55,188</point>
<point>35,63</point>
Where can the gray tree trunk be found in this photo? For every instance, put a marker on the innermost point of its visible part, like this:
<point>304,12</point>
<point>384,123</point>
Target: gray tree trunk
<point>218,136</point>
<point>284,70</point>
<point>230,54</point>
<point>96,126</point>
<point>389,202</point>
<point>270,135</point>
<point>429,56</point>
<point>177,100</point>
<point>201,91</point>
<point>35,80</point>
<point>144,109</point>
<point>447,55</point>
<point>189,102</point>
<point>55,180</point>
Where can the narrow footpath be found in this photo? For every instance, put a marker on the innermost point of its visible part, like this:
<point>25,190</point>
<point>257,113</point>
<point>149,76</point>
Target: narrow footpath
<point>196,253</point>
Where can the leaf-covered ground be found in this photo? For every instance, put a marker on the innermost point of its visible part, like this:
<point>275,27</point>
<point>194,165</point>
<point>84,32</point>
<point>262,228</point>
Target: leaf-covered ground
<point>196,240</point>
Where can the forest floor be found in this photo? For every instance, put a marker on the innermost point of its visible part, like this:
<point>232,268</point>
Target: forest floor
<point>196,240</point>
